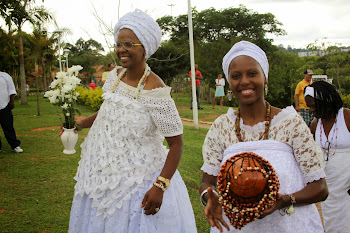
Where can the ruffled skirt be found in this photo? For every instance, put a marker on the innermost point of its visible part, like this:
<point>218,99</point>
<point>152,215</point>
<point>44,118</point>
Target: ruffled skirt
<point>175,215</point>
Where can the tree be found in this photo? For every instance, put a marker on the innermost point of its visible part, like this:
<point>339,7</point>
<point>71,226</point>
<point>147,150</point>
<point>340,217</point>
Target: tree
<point>86,53</point>
<point>17,12</point>
<point>336,60</point>
<point>211,24</point>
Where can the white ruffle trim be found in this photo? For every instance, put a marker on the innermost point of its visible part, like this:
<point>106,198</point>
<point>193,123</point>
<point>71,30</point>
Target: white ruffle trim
<point>214,171</point>
<point>261,125</point>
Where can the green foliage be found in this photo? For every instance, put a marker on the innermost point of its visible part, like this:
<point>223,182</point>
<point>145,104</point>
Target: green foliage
<point>89,97</point>
<point>346,100</point>
<point>87,54</point>
<point>209,25</point>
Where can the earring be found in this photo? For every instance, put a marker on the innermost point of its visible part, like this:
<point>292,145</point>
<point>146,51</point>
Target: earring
<point>266,89</point>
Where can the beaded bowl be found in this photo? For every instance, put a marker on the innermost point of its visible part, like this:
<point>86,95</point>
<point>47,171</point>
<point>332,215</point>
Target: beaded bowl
<point>247,185</point>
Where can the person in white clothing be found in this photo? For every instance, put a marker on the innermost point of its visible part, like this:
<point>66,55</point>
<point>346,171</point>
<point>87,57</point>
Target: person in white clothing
<point>127,180</point>
<point>7,103</point>
<point>331,130</point>
<point>219,90</point>
<point>278,135</point>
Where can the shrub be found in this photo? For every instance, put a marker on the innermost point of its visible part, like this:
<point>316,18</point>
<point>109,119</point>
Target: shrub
<point>90,97</point>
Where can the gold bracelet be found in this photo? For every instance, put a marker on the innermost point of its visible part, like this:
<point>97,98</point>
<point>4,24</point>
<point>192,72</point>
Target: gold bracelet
<point>164,180</point>
<point>160,186</point>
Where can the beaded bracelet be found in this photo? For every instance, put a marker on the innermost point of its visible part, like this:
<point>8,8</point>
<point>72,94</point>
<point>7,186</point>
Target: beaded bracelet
<point>288,210</point>
<point>160,185</point>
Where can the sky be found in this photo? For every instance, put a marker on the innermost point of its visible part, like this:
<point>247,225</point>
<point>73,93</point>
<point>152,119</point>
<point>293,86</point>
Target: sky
<point>304,20</point>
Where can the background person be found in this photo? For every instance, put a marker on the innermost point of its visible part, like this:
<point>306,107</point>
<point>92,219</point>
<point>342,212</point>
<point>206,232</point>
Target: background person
<point>7,103</point>
<point>278,135</point>
<point>127,180</point>
<point>92,85</point>
<point>331,130</point>
<point>300,104</point>
<point>111,66</point>
<point>219,90</point>
<point>199,77</point>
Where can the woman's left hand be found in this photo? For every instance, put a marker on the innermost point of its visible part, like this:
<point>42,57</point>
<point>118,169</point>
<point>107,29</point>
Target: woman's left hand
<point>279,204</point>
<point>152,201</point>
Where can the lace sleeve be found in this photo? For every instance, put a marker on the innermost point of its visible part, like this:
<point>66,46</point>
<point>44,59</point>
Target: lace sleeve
<point>306,151</point>
<point>213,147</point>
<point>163,111</point>
<point>109,81</point>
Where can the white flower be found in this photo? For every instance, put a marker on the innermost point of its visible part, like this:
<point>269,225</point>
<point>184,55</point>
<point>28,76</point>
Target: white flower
<point>67,88</point>
<point>75,70</point>
<point>60,75</point>
<point>65,106</point>
<point>63,92</point>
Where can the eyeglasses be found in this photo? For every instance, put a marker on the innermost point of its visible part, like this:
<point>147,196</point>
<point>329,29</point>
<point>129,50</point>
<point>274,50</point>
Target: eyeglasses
<point>326,148</point>
<point>126,45</point>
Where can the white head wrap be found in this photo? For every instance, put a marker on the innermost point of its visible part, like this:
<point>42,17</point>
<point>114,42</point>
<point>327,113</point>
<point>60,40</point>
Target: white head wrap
<point>248,49</point>
<point>309,91</point>
<point>145,28</point>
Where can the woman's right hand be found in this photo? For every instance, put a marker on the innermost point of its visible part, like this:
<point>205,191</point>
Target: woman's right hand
<point>213,211</point>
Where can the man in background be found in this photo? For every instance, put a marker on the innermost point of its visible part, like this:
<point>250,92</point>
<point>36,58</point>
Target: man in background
<point>7,103</point>
<point>300,104</point>
<point>198,76</point>
<point>111,66</point>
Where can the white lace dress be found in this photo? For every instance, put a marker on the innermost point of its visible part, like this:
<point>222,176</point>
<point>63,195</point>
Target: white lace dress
<point>121,157</point>
<point>292,152</point>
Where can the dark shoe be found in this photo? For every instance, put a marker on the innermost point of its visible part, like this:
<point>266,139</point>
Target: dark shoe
<point>200,108</point>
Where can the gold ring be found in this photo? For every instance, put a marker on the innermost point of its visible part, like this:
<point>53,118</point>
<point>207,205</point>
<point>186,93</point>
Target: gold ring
<point>156,209</point>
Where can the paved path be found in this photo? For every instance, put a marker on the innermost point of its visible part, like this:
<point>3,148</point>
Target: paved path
<point>201,124</point>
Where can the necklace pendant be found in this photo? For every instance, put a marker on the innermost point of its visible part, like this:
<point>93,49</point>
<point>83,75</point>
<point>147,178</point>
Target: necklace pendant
<point>128,91</point>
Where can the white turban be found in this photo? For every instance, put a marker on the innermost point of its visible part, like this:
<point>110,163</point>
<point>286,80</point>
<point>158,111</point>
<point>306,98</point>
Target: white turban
<point>145,28</point>
<point>248,49</point>
<point>309,91</point>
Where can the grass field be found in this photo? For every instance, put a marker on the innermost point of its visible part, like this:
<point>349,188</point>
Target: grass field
<point>37,185</point>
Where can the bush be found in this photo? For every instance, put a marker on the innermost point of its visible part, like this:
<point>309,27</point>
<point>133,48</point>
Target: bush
<point>90,97</point>
<point>346,100</point>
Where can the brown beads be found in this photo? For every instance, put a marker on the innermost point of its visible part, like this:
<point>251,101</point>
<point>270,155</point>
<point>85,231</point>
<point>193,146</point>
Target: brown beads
<point>247,185</point>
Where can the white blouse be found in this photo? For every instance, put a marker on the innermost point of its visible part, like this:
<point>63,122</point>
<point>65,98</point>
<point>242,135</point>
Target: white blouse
<point>125,143</point>
<point>287,127</point>
<point>220,82</point>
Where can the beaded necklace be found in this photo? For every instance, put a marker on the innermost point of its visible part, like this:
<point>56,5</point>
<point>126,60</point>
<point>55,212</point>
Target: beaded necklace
<point>328,144</point>
<point>267,124</point>
<point>141,83</point>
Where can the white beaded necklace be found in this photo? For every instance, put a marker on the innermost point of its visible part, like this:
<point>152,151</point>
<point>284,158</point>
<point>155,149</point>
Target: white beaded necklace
<point>141,83</point>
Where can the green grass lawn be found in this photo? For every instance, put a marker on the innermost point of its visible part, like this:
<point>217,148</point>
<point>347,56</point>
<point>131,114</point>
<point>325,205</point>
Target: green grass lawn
<point>37,185</point>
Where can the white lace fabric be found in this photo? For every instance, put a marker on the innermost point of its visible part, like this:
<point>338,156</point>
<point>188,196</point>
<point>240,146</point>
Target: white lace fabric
<point>125,144</point>
<point>287,127</point>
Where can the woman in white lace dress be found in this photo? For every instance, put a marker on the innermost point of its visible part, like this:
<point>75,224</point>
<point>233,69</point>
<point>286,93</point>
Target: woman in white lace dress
<point>331,129</point>
<point>278,135</point>
<point>127,180</point>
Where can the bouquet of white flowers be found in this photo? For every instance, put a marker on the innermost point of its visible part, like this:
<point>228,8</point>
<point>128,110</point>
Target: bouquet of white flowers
<point>63,93</point>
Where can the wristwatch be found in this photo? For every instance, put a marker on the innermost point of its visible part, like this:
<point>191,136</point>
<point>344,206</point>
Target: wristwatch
<point>164,180</point>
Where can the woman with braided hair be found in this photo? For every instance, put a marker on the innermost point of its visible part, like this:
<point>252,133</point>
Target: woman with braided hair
<point>331,130</point>
<point>274,145</point>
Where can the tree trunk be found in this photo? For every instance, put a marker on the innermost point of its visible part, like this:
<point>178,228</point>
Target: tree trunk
<point>37,88</point>
<point>44,75</point>
<point>22,71</point>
